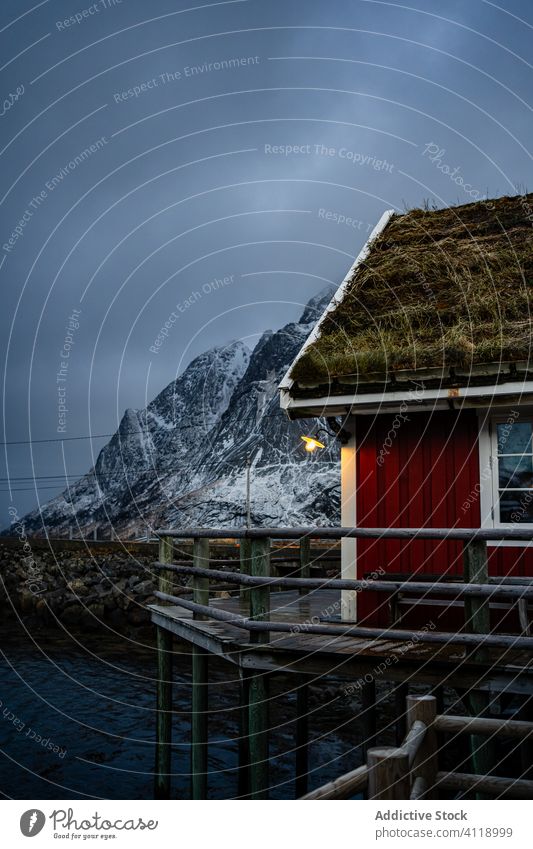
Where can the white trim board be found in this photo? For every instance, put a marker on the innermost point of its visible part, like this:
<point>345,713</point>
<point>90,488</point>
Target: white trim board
<point>378,401</point>
<point>287,381</point>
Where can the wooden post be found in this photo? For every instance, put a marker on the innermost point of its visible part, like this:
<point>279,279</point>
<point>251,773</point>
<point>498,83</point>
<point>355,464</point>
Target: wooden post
<point>477,618</point>
<point>368,715</point>
<point>245,552</point>
<point>476,571</point>
<point>244,734</point>
<point>425,765</point>
<point>401,692</point>
<point>166,551</point>
<point>260,595</point>
<point>199,737</point>
<point>388,774</point>
<point>305,561</point>
<point>301,783</point>
<point>164,689</point>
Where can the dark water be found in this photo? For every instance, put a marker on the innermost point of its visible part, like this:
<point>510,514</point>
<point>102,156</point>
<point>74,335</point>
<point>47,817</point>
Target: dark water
<point>77,721</point>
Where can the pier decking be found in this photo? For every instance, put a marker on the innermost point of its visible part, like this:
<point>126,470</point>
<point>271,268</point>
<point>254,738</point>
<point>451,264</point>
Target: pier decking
<point>316,654</point>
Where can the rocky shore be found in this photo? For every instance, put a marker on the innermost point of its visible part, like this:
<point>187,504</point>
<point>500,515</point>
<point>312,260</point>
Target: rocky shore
<point>75,584</point>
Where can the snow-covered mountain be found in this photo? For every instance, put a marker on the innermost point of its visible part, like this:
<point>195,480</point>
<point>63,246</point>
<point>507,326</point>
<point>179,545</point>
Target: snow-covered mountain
<point>182,461</point>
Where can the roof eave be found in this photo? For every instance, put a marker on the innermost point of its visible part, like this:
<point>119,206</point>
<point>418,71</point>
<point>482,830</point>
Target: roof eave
<point>475,396</point>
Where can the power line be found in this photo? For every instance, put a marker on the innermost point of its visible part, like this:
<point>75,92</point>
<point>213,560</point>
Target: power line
<point>116,433</point>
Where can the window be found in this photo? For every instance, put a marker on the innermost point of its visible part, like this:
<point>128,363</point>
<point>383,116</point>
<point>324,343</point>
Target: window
<point>512,470</point>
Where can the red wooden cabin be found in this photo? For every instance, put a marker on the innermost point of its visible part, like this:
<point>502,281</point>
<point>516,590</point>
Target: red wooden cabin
<point>423,359</point>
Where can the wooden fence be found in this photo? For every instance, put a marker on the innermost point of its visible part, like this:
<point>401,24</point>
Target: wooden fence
<point>411,771</point>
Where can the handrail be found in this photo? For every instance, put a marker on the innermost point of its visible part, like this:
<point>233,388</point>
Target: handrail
<point>486,640</point>
<point>515,533</point>
<point>457,590</point>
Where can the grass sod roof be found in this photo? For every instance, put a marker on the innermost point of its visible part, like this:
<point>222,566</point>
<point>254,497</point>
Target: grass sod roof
<point>438,289</point>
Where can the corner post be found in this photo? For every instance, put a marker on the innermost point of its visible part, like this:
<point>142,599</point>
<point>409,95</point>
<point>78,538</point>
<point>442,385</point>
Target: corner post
<point>164,686</point>
<point>199,738</point>
<point>425,766</point>
<point>388,774</point>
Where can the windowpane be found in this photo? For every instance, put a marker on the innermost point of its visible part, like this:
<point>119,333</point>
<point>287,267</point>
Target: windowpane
<point>514,437</point>
<point>516,507</point>
<point>515,471</point>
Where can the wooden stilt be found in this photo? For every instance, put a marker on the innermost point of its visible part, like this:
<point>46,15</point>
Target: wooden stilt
<point>258,725</point>
<point>301,783</point>
<point>368,716</point>
<point>164,687</point>
<point>164,714</point>
<point>199,729</point>
<point>199,724</point>
<point>244,734</point>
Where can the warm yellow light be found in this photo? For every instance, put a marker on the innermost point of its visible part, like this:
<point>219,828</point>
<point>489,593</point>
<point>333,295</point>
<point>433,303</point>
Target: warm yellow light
<point>311,444</point>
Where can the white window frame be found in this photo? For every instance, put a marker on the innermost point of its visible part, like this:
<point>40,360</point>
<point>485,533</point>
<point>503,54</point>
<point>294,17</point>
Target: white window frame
<point>488,469</point>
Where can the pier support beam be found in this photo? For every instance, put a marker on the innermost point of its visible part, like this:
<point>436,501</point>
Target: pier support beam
<point>199,723</point>
<point>163,734</point>
<point>301,783</point>
<point>244,734</point>
<point>164,715</point>
<point>258,728</point>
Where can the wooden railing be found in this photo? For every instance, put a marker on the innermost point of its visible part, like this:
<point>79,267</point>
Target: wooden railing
<point>411,770</point>
<point>255,581</point>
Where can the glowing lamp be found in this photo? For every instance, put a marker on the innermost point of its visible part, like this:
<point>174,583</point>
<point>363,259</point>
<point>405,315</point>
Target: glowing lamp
<point>311,444</point>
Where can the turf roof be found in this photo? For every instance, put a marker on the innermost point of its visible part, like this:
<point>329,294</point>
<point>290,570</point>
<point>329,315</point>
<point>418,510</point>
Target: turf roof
<point>439,288</point>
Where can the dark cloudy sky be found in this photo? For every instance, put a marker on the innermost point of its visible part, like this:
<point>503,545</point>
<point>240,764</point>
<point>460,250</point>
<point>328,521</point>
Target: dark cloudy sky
<point>144,156</point>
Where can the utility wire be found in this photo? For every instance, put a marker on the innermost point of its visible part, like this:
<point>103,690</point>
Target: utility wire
<point>115,433</point>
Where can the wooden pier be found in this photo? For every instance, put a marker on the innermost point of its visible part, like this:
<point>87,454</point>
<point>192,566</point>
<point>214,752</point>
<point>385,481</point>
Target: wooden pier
<point>290,625</point>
